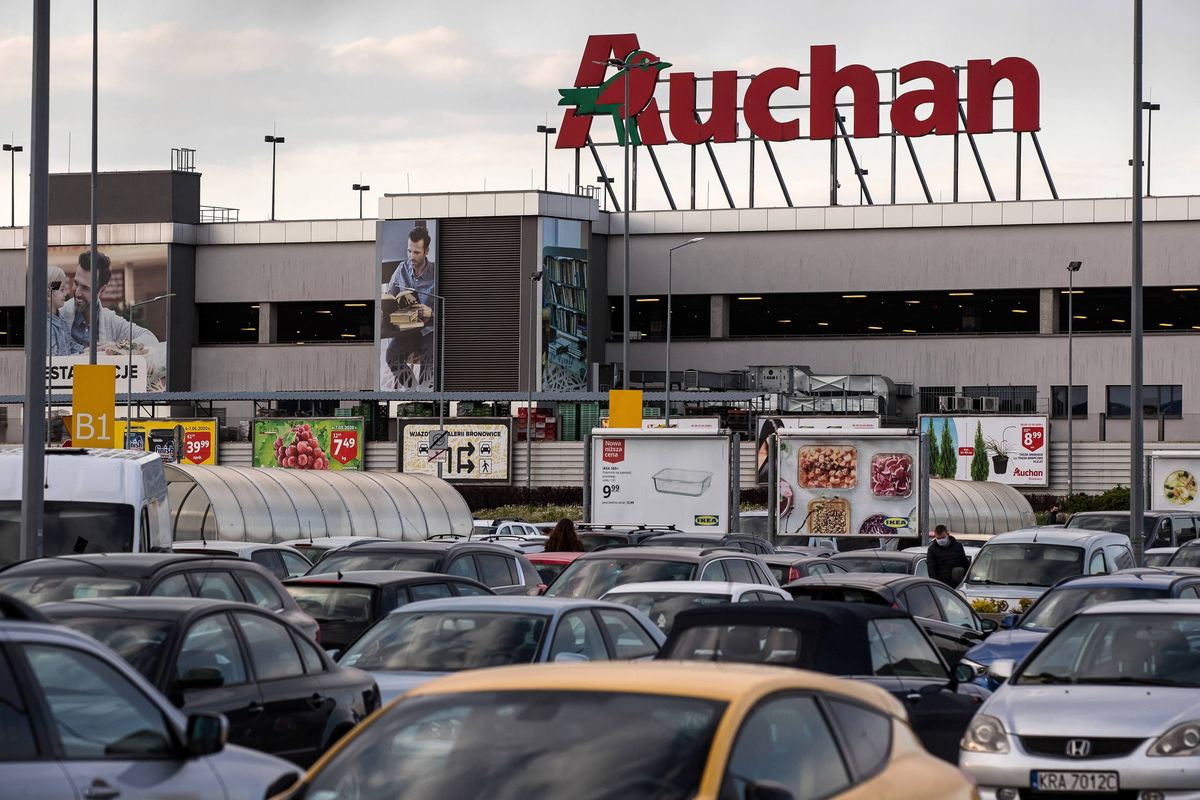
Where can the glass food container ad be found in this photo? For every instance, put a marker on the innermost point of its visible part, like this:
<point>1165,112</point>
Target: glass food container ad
<point>845,484</point>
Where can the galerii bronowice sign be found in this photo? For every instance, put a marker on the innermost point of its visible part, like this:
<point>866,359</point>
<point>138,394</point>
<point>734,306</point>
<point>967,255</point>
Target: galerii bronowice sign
<point>931,108</point>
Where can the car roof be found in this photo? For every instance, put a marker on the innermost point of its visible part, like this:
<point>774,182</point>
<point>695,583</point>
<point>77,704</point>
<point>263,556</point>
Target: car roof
<point>509,604</point>
<point>875,552</point>
<point>331,540</point>
<point>233,547</point>
<point>1147,576</point>
<point>657,553</point>
<point>132,565</point>
<point>555,557</point>
<point>171,608</point>
<point>782,611</point>
<point>1051,535</point>
<point>786,558</point>
<point>869,580</point>
<point>424,546</point>
<point>1162,512</point>
<point>1156,606</point>
<point>373,577</point>
<point>688,587</point>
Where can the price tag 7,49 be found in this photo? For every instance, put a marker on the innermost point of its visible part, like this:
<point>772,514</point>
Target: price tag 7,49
<point>343,446</point>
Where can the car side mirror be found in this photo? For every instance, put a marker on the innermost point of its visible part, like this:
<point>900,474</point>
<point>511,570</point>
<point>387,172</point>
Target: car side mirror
<point>206,733</point>
<point>1009,621</point>
<point>200,678</point>
<point>989,625</point>
<point>767,790</point>
<point>963,674</point>
<point>1002,669</point>
<point>574,658</point>
<point>333,653</point>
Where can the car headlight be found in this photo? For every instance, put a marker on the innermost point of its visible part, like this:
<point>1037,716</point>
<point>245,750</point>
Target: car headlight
<point>985,735</point>
<point>1182,740</point>
<point>976,667</point>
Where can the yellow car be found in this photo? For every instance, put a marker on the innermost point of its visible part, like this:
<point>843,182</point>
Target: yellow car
<point>627,731</point>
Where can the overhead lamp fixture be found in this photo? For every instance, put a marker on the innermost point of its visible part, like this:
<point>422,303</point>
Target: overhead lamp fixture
<point>853,296</point>
<point>349,336</point>
<point>823,324</point>
<point>1071,291</point>
<point>874,328</point>
<point>750,298</point>
<point>355,305</point>
<point>249,329</point>
<point>646,300</point>
<point>1185,289</point>
<point>1119,320</point>
<point>961,294</point>
<point>907,330</point>
<point>1019,311</point>
<point>324,311</point>
<point>783,321</point>
<point>1165,325</point>
<point>254,306</point>
<point>1080,316</point>
<point>912,302</point>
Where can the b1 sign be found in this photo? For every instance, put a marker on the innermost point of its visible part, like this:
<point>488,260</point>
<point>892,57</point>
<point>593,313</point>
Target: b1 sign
<point>1010,450</point>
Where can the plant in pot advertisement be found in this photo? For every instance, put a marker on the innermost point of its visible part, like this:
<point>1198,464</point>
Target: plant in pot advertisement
<point>947,457</point>
<point>979,465</point>
<point>999,450</point>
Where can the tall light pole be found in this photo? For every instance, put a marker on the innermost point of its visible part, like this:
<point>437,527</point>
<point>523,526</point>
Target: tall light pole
<point>129,365</point>
<point>94,311</point>
<point>1136,433</point>
<point>546,130</point>
<point>1072,268</point>
<point>667,374</point>
<point>274,141</point>
<point>1150,108</point>
<point>360,188</point>
<point>13,149</point>
<point>534,314</point>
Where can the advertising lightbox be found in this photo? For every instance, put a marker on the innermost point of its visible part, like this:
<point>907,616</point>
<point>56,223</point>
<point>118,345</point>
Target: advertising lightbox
<point>191,441</point>
<point>768,426</point>
<point>1010,450</point>
<point>474,450</point>
<point>310,443</point>
<point>408,310</point>
<point>1173,477</point>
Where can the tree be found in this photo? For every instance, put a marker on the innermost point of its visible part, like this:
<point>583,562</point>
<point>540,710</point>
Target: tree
<point>979,462</point>
<point>935,452</point>
<point>949,458</point>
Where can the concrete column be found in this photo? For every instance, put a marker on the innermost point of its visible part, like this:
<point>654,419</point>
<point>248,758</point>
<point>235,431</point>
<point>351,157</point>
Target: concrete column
<point>267,323</point>
<point>718,317</point>
<point>1047,311</point>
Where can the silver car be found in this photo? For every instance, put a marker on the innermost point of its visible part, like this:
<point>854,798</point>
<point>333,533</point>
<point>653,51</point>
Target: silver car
<point>1106,706</point>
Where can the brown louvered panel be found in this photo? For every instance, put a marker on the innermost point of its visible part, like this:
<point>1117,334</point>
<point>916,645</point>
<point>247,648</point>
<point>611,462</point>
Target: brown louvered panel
<point>480,276</point>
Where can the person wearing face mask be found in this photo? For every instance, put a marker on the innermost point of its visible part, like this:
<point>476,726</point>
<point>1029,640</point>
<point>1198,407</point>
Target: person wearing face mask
<point>945,555</point>
<point>58,331</point>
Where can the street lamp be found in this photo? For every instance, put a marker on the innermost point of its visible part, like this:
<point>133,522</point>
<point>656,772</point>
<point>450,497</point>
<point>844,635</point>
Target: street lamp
<point>273,141</point>
<point>1072,268</point>
<point>546,130</point>
<point>360,188</point>
<point>667,381</point>
<point>534,314</point>
<point>13,149</point>
<point>1149,108</point>
<point>129,366</point>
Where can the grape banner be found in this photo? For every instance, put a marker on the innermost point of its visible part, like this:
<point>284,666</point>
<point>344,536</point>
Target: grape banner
<point>313,444</point>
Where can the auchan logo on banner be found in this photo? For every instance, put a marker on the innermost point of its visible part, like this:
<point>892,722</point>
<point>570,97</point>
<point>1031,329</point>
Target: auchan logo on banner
<point>593,95</point>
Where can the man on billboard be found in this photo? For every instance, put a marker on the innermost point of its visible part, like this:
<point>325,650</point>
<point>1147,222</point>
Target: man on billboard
<point>77,311</point>
<point>410,360</point>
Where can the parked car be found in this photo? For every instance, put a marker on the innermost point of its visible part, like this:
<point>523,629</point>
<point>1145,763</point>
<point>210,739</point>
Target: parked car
<point>281,560</point>
<point>424,640</point>
<point>788,567</point>
<point>594,536</point>
<point>727,541</point>
<point>667,731</point>
<point>880,645</point>
<point>847,544</point>
<point>345,604</point>
<point>897,562</point>
<point>80,722</point>
<point>46,580</point>
<point>594,573</point>
<point>662,600</point>
<point>315,548</point>
<point>1104,707</point>
<point>551,565</point>
<point>1160,556</point>
<point>1186,556</point>
<point>279,691</point>
<point>1019,635</point>
<point>952,625</point>
<point>501,569</point>
<point>504,527</point>
<point>1015,568</point>
<point>1160,528</point>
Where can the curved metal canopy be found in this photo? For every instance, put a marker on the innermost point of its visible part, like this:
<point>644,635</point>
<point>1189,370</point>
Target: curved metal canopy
<point>983,507</point>
<point>278,505</point>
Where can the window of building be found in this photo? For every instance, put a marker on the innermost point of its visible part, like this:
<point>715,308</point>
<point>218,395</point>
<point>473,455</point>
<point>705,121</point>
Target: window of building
<point>1167,309</point>
<point>226,323</point>
<point>329,321</point>
<point>1058,402</point>
<point>689,316</point>
<point>12,326</point>
<point>1164,400</point>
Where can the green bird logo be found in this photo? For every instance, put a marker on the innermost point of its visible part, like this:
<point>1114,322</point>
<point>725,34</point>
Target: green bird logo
<point>640,71</point>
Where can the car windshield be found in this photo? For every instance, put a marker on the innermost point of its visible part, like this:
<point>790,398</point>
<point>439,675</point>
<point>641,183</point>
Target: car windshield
<point>1025,564</point>
<point>1184,557</point>
<point>841,594</point>
<point>138,641</point>
<point>661,607</point>
<point>869,563</point>
<point>38,589</point>
<point>70,527</point>
<point>1115,523</point>
<point>1137,649</point>
<point>592,577</point>
<point>1059,604</point>
<point>521,744</point>
<point>548,572</point>
<point>343,611</point>
<point>353,562</point>
<point>447,641</point>
<point>1162,559</point>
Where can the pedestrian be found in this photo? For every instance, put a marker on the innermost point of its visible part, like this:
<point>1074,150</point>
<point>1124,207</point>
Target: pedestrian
<point>563,538</point>
<point>946,555</point>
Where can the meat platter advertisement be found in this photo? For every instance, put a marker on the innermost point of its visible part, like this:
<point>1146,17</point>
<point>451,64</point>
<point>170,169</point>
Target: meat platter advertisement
<point>1009,450</point>
<point>836,483</point>
<point>661,478</point>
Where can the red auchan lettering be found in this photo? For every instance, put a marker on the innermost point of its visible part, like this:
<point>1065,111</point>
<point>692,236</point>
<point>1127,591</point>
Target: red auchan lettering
<point>826,80</point>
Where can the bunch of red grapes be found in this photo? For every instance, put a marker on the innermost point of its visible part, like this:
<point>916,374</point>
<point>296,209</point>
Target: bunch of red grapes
<point>303,452</point>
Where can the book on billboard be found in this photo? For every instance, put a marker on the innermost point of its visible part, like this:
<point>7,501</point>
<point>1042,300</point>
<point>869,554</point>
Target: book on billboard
<point>406,316</point>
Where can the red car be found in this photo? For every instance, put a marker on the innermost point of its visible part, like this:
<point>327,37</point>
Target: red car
<point>549,565</point>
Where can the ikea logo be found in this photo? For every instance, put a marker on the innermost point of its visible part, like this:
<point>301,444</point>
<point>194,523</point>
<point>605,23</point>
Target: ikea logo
<point>896,522</point>
<point>707,520</point>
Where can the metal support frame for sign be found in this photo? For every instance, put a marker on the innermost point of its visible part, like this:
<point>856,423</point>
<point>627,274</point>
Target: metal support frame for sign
<point>753,138</point>
<point>833,176</point>
<point>772,487</point>
<point>895,89</point>
<point>923,508</point>
<point>1045,167</point>
<point>1018,165</point>
<point>912,151</point>
<point>661,178</point>
<point>633,177</point>
<point>735,483</point>
<point>587,477</point>
<point>693,178</point>
<point>962,115</point>
<point>612,196</point>
<point>712,154</point>
<point>862,181</point>
<point>787,196</point>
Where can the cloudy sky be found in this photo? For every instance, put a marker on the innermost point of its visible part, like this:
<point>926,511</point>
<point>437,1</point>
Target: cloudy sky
<point>446,97</point>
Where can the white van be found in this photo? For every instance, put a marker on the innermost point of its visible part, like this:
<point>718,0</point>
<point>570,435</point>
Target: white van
<point>97,501</point>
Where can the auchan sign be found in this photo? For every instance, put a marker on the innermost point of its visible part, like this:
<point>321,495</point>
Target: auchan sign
<point>933,108</point>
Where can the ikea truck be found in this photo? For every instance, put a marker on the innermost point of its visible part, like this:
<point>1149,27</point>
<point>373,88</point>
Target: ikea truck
<point>97,501</point>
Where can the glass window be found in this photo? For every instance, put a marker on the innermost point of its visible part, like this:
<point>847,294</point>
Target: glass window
<point>1058,402</point>
<point>691,316</point>
<point>139,641</point>
<point>1157,400</point>
<point>97,712</point>
<point>592,577</point>
<point>1120,556</point>
<point>38,589</point>
<point>898,649</point>
<point>12,326</point>
<point>1028,564</point>
<point>786,739</point>
<point>448,641</point>
<point>218,586</point>
<point>226,323</point>
<point>1162,536</point>
<point>747,644</point>
<point>173,586</point>
<point>715,571</point>
<point>428,591</point>
<point>1185,529</point>
<point>211,644</point>
<point>16,731</point>
<point>955,609</point>
<point>352,562</point>
<point>1189,592</point>
<point>71,527</point>
<point>308,653</point>
<point>327,321</point>
<point>1056,606</point>
<point>294,564</point>
<point>739,571</point>
<point>629,639</point>
<point>271,560</point>
<point>464,567</point>
<point>578,634</point>
<point>1096,564</point>
<point>271,649</point>
<point>262,593</point>
<point>470,590</point>
<point>869,730</point>
<point>921,603</point>
<point>494,570</point>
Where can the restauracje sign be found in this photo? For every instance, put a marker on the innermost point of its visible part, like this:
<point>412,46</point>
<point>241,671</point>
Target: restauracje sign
<point>593,95</point>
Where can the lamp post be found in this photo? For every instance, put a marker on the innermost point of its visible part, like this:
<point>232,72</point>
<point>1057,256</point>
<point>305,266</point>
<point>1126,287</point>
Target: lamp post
<point>129,366</point>
<point>546,130</point>
<point>533,359</point>
<point>1072,268</point>
<point>360,188</point>
<point>13,149</point>
<point>273,140</point>
<point>667,374</point>
<point>1149,108</point>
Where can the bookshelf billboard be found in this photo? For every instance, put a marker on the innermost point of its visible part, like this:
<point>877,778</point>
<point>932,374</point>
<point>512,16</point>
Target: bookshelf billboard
<point>564,312</point>
<point>409,309</point>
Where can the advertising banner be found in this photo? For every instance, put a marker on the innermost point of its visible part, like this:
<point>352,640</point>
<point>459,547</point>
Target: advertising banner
<point>408,312</point>
<point>768,425</point>
<point>1173,480</point>
<point>834,483</point>
<point>564,308</point>
<point>661,478</point>
<point>188,441</point>
<point>310,443</point>
<point>94,406</point>
<point>125,275</point>
<point>1011,450</point>
<point>473,450</point>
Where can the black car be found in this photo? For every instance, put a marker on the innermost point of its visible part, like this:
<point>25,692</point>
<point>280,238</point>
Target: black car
<point>501,569</point>
<point>1160,528</point>
<point>787,567</point>
<point>279,691</point>
<point>97,575</point>
<point>347,603</point>
<point>877,644</point>
<point>728,541</point>
<point>594,573</point>
<point>890,561</point>
<point>594,537</point>
<point>952,624</point>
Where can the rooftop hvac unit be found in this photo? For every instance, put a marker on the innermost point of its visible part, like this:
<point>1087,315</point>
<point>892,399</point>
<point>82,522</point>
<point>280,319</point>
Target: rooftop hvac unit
<point>990,404</point>
<point>691,379</point>
<point>955,402</point>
